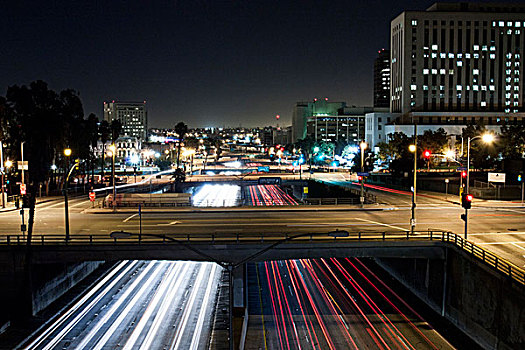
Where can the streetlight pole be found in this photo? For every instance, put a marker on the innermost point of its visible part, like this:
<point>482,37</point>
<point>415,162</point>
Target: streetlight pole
<point>3,173</point>
<point>113,149</point>
<point>67,153</point>
<point>413,148</point>
<point>362,198</point>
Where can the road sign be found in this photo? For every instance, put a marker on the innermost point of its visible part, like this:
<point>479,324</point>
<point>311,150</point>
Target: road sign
<point>461,169</point>
<point>22,189</point>
<point>305,190</point>
<point>496,177</point>
<point>92,196</point>
<point>363,174</point>
<point>265,169</point>
<point>22,165</point>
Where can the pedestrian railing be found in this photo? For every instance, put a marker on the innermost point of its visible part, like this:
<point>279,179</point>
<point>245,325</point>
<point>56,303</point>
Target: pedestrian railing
<point>493,260</point>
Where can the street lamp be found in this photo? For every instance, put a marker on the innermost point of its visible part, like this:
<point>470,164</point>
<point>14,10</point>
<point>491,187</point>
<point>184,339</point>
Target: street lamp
<point>487,138</point>
<point>362,145</point>
<point>413,149</point>
<point>112,150</point>
<point>67,153</point>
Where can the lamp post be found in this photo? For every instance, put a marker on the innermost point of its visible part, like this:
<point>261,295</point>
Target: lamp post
<point>2,169</point>
<point>487,138</point>
<point>113,150</point>
<point>67,153</point>
<point>413,149</point>
<point>362,145</point>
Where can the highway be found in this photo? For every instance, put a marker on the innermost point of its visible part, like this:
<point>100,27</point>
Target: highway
<point>269,195</point>
<point>494,225</point>
<point>139,305</point>
<point>335,304</point>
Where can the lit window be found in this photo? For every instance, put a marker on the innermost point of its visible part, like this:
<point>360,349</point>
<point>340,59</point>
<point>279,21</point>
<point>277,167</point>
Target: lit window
<point>476,47</point>
<point>484,48</point>
<point>414,22</point>
<point>509,31</point>
<point>475,71</point>
<point>501,24</point>
<point>483,88</point>
<point>493,48</point>
<point>413,87</point>
<point>434,71</point>
<point>516,87</point>
<point>492,56</point>
<point>458,87</point>
<point>459,63</point>
<point>483,104</point>
<point>450,55</point>
<point>451,71</point>
<point>475,88</point>
<point>425,71</point>
<point>467,55</point>
<point>443,55</point>
<point>517,24</point>
<point>442,71</point>
<point>425,87</point>
<point>509,24</point>
<point>460,55</point>
<point>517,32</point>
<point>433,55</point>
<point>507,88</point>
<point>434,47</point>
<point>476,55</point>
<point>507,95</point>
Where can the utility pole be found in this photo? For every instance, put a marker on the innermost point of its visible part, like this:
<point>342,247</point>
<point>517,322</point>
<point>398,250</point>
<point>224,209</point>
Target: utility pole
<point>413,209</point>
<point>3,173</point>
<point>22,156</point>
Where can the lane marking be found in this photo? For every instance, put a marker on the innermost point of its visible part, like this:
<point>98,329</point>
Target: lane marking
<point>382,224</point>
<point>518,246</point>
<point>130,217</point>
<point>76,205</point>
<point>496,233</point>
<point>501,243</point>
<point>170,224</point>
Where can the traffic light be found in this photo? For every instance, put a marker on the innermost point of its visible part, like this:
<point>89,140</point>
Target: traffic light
<point>520,178</point>
<point>463,174</point>
<point>77,164</point>
<point>427,154</point>
<point>466,200</point>
<point>359,178</point>
<point>25,201</point>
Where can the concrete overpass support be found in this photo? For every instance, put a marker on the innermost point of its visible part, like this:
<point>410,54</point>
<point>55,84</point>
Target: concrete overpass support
<point>483,303</point>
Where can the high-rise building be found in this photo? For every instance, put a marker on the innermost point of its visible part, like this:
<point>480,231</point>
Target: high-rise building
<point>132,115</point>
<point>459,57</point>
<point>382,79</point>
<point>329,121</point>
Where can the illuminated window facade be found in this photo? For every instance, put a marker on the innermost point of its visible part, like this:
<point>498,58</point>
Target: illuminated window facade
<point>458,58</point>
<point>132,115</point>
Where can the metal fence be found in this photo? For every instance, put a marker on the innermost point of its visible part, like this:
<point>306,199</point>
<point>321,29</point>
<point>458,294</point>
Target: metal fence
<point>493,260</point>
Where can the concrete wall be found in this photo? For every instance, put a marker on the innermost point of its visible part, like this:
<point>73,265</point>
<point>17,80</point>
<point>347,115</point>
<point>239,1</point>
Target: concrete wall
<point>481,302</point>
<point>68,276</point>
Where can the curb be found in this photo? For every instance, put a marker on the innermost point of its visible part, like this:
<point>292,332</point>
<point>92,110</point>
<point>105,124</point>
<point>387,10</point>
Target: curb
<point>155,211</point>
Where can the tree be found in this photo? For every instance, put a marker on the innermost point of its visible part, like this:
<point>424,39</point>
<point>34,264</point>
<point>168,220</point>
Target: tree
<point>181,130</point>
<point>513,141</point>
<point>116,129</point>
<point>481,154</point>
<point>434,141</point>
<point>104,132</point>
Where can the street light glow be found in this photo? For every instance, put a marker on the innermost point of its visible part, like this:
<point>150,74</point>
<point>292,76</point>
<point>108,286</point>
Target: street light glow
<point>449,154</point>
<point>487,138</point>
<point>8,163</point>
<point>67,152</point>
<point>412,148</point>
<point>362,145</point>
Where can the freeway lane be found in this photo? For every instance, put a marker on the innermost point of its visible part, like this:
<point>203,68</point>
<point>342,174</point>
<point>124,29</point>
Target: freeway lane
<point>502,230</point>
<point>140,304</point>
<point>336,304</point>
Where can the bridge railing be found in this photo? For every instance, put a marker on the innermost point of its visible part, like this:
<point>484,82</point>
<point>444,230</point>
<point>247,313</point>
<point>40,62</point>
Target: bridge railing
<point>493,260</point>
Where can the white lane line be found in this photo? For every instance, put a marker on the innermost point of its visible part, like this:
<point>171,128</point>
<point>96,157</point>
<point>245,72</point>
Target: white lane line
<point>57,338</point>
<point>204,305</point>
<point>496,233</point>
<point>130,217</point>
<point>167,304</point>
<point>382,224</point>
<point>81,203</point>
<point>120,300</point>
<point>171,223</point>
<point>518,246</point>
<point>501,243</point>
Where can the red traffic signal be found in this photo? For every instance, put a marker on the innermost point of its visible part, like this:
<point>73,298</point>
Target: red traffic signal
<point>359,178</point>
<point>427,154</point>
<point>463,174</point>
<point>469,197</point>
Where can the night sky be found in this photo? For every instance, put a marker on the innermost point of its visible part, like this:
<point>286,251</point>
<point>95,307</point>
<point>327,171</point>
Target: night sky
<point>207,63</point>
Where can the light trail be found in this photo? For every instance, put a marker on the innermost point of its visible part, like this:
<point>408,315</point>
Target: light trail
<point>145,181</point>
<point>216,196</point>
<point>337,304</point>
<point>268,195</point>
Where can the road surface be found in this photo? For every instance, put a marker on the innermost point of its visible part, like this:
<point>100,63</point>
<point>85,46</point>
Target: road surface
<point>139,305</point>
<point>335,304</point>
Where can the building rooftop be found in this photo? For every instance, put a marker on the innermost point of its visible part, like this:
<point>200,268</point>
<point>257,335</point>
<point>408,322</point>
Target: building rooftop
<point>492,7</point>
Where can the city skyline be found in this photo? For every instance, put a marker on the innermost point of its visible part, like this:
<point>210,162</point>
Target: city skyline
<point>207,64</point>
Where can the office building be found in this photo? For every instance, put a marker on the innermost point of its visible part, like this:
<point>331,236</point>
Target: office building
<point>459,57</point>
<point>132,115</point>
<point>327,121</point>
<point>382,79</point>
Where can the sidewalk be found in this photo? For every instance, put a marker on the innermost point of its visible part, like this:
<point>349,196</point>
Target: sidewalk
<point>10,206</point>
<point>485,203</point>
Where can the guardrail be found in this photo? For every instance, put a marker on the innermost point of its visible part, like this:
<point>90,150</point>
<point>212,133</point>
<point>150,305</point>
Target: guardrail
<point>494,261</point>
<point>331,201</point>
